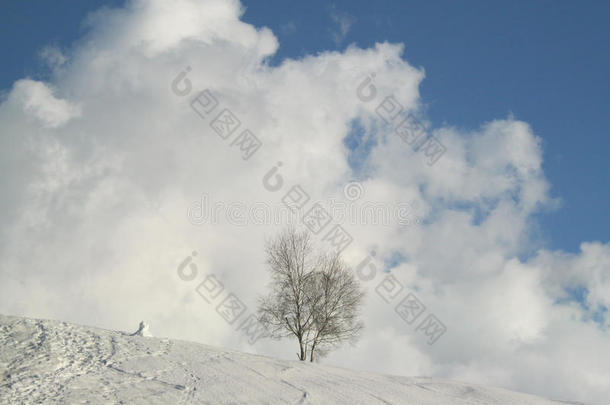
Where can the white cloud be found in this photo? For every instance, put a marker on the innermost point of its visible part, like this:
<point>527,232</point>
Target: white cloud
<point>344,22</point>
<point>101,165</point>
<point>38,101</point>
<point>53,56</point>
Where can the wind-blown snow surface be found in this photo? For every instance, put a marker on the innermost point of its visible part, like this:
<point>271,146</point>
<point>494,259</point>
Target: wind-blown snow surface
<point>53,362</point>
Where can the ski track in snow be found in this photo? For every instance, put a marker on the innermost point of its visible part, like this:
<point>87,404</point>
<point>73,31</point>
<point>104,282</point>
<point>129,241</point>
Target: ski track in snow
<point>49,362</point>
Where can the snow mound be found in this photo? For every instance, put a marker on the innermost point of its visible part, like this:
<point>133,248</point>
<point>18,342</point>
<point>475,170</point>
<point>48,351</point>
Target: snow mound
<point>143,330</point>
<point>52,362</point>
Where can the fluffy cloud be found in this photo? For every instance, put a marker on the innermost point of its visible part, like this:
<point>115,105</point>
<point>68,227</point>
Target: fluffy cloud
<point>102,164</point>
<point>36,100</point>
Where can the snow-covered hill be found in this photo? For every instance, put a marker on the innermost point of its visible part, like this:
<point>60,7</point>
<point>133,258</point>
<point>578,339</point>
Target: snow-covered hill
<point>49,362</point>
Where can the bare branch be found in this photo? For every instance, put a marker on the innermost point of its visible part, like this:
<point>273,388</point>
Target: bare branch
<point>313,296</point>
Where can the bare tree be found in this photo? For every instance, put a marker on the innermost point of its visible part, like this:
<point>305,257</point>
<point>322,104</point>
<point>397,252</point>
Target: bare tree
<point>336,305</point>
<point>286,311</point>
<point>313,296</point>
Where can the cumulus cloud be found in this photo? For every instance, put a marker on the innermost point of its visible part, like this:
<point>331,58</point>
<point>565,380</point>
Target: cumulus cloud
<point>102,163</point>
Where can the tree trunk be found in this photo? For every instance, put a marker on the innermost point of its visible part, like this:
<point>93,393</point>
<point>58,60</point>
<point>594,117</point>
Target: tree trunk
<point>303,355</point>
<point>313,348</point>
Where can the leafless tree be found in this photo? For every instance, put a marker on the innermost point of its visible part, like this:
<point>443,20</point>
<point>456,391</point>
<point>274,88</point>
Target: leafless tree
<point>313,296</point>
<point>336,305</point>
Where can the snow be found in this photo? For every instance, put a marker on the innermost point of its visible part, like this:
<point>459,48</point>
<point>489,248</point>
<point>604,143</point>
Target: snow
<point>54,362</point>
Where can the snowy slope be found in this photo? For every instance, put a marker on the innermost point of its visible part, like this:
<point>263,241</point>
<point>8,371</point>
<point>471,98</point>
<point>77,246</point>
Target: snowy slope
<point>54,362</point>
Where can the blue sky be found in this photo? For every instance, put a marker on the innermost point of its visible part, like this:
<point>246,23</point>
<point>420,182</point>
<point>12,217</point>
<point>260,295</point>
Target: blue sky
<point>542,61</point>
